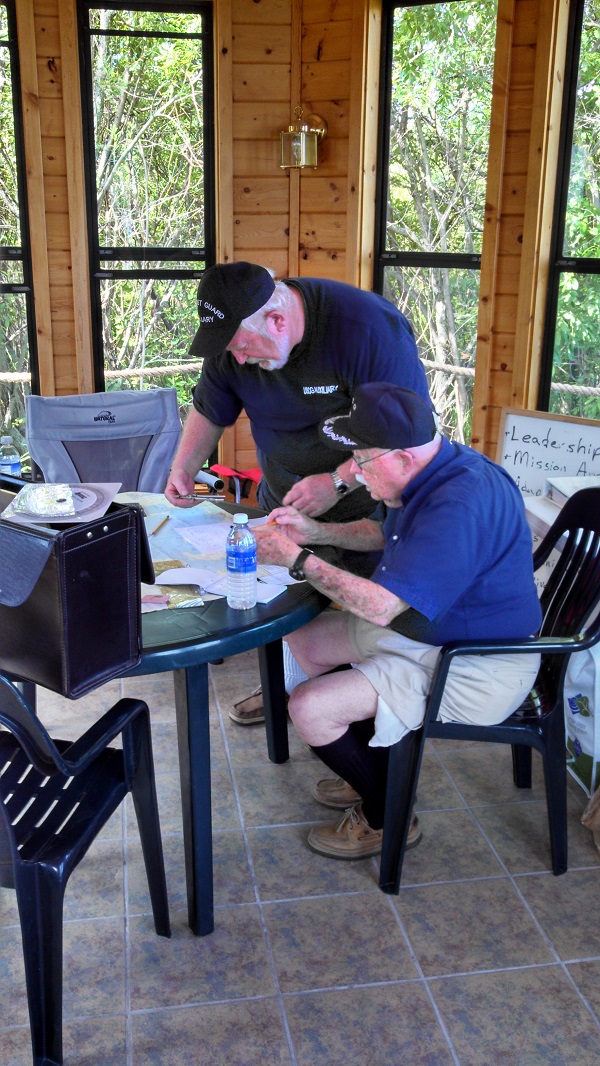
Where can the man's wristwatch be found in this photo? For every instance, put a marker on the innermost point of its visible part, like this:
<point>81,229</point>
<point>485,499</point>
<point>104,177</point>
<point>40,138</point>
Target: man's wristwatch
<point>296,570</point>
<point>340,486</point>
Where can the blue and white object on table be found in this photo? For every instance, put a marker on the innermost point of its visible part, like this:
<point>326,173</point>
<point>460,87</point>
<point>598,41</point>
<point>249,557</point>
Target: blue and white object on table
<point>240,559</point>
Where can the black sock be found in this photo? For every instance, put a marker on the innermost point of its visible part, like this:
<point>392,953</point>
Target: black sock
<point>364,730</point>
<point>363,767</point>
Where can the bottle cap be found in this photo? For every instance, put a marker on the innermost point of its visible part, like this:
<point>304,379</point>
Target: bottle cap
<point>239,518</point>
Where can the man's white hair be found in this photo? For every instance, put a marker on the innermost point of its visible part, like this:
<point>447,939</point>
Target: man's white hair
<point>282,299</point>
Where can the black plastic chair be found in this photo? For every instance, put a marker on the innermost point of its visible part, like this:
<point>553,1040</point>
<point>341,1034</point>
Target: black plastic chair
<point>56,796</point>
<point>568,602</point>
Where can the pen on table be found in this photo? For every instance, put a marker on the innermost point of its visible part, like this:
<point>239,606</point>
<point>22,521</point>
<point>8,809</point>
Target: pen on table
<point>198,499</point>
<point>160,525</point>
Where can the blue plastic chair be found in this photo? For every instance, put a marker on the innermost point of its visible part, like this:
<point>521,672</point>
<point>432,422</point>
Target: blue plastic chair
<point>569,601</point>
<point>56,796</point>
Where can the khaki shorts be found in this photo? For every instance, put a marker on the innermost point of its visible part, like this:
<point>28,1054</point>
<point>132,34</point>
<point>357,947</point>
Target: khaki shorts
<point>482,689</point>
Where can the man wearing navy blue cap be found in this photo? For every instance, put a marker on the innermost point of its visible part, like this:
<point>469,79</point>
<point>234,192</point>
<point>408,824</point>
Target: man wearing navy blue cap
<point>456,564</point>
<point>290,353</point>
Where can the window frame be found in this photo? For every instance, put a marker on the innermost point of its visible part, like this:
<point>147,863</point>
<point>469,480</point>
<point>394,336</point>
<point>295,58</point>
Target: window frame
<point>22,252</point>
<point>205,254</point>
<point>558,263</point>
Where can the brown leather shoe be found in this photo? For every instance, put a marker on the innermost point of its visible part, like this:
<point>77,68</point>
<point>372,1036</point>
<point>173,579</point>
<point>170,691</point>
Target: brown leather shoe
<point>349,838</point>
<point>336,793</point>
<point>249,710</point>
<point>352,837</point>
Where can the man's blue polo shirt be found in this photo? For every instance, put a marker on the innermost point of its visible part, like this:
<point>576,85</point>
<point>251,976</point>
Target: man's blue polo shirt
<point>459,550</point>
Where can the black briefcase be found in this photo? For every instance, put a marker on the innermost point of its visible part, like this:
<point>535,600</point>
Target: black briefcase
<point>70,599</point>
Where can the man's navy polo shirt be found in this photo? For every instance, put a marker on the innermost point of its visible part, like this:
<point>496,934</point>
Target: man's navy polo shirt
<point>351,338</point>
<point>459,550</point>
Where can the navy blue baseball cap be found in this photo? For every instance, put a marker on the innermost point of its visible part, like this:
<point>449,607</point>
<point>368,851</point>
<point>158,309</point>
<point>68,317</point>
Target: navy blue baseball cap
<point>382,416</point>
<point>227,294</point>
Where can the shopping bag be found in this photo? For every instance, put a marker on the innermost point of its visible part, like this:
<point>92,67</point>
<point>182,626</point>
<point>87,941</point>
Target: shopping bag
<point>582,718</point>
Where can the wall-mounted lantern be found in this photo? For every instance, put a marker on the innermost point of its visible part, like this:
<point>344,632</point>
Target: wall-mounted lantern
<point>299,142</point>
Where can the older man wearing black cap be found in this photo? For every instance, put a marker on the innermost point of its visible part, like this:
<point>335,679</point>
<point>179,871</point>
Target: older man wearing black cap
<point>291,353</point>
<point>456,564</point>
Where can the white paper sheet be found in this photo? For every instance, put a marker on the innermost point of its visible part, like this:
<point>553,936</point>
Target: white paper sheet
<point>216,583</point>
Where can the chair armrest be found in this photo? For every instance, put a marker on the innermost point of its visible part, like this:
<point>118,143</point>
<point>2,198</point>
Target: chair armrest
<point>87,747</point>
<point>525,645</point>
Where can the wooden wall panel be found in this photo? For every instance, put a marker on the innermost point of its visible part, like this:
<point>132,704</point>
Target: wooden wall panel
<point>259,119</point>
<point>261,196</point>
<point>260,84</point>
<point>272,46</point>
<point>327,41</point>
<point>260,231</point>
<point>329,194</point>
<point>314,263</point>
<point>326,11</point>
<point>260,12</point>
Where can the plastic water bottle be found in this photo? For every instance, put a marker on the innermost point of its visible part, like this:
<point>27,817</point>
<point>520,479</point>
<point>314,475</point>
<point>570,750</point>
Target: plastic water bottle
<point>10,460</point>
<point>240,556</point>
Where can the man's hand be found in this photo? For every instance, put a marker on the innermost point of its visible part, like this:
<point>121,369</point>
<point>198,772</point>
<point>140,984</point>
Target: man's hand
<point>179,483</point>
<point>274,547</point>
<point>296,526</point>
<point>312,495</point>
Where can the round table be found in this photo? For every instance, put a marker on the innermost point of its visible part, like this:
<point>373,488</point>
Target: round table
<point>185,640</point>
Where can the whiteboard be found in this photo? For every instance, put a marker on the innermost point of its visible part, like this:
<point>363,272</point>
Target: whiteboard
<point>535,445</point>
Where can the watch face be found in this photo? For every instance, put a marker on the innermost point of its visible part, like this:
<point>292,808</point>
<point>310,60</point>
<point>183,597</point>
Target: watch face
<point>340,486</point>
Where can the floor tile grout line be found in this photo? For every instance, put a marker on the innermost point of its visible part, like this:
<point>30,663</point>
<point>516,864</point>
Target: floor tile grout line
<point>545,936</point>
<point>558,961</point>
<point>391,901</point>
<point>263,904</point>
<point>254,879</point>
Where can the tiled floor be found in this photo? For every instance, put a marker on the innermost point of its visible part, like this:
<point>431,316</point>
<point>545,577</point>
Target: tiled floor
<point>484,958</point>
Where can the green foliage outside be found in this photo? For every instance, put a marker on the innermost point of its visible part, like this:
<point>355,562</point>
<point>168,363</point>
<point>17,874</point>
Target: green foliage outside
<point>14,346</point>
<point>148,119</point>
<point>439,134</point>
<point>576,359</point>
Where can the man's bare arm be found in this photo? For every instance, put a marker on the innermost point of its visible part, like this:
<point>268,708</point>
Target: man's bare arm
<point>363,535</point>
<point>356,594</point>
<point>198,441</point>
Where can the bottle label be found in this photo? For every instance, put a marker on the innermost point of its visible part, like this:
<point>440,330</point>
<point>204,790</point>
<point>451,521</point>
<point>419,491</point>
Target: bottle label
<point>241,562</point>
<point>12,467</point>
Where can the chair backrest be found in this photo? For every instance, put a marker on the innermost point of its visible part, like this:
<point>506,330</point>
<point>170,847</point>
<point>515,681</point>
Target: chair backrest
<point>571,596</point>
<point>128,436</point>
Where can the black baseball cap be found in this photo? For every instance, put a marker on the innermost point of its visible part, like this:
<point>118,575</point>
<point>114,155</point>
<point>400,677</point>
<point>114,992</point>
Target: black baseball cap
<point>227,294</point>
<point>382,416</point>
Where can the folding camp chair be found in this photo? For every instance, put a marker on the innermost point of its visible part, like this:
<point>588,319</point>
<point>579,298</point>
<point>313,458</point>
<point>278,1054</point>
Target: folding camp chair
<point>128,436</point>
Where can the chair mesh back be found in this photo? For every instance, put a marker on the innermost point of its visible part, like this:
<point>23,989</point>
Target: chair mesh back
<point>92,458</point>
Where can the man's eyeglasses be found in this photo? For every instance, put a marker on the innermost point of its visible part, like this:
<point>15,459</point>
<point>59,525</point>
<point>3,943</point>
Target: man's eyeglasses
<point>374,457</point>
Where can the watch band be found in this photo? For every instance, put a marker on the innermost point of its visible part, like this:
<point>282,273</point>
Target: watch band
<point>296,570</point>
<point>340,486</point>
